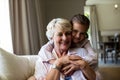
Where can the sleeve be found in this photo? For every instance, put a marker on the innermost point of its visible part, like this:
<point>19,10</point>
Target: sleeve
<point>91,57</point>
<point>46,51</point>
<point>41,69</point>
<point>48,47</point>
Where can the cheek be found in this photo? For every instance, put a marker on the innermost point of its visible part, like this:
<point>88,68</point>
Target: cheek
<point>56,40</point>
<point>70,38</point>
<point>82,38</point>
<point>73,34</point>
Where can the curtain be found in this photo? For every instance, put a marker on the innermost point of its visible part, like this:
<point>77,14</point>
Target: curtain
<point>27,26</point>
<point>94,27</point>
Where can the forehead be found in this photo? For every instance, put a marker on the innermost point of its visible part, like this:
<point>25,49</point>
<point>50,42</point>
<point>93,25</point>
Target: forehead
<point>58,30</point>
<point>62,28</point>
<point>79,27</point>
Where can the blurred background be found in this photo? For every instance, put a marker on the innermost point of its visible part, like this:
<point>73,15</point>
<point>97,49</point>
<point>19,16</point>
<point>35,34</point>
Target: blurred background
<point>23,25</point>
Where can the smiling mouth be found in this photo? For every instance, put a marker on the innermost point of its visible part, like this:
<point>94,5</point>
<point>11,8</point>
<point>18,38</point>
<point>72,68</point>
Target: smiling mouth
<point>64,43</point>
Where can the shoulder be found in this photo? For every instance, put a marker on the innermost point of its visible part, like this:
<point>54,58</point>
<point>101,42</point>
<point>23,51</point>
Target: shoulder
<point>46,51</point>
<point>87,43</point>
<point>47,47</point>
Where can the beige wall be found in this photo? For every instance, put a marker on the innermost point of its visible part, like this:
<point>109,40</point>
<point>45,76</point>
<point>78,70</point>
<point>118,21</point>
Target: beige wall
<point>108,16</point>
<point>63,8</point>
<point>109,19</point>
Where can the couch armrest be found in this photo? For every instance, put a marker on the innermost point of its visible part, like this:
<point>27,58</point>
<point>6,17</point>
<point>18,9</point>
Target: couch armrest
<point>32,60</point>
<point>14,67</point>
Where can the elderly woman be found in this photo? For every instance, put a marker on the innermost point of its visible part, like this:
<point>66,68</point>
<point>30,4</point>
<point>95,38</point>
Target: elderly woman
<point>53,66</point>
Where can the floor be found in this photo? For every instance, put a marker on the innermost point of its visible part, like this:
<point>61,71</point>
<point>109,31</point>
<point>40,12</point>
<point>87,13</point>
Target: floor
<point>110,70</point>
<point>109,63</point>
<point>110,73</point>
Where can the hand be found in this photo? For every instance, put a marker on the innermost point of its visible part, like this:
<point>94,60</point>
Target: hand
<point>69,69</point>
<point>74,57</point>
<point>51,61</point>
<point>64,60</point>
<point>77,60</point>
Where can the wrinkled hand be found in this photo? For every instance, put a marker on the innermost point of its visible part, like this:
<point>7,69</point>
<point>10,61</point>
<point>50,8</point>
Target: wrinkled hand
<point>64,60</point>
<point>77,60</point>
<point>75,57</point>
<point>69,69</point>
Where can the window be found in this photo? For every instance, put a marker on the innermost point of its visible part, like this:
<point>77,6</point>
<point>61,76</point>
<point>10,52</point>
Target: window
<point>87,14</point>
<point>5,32</point>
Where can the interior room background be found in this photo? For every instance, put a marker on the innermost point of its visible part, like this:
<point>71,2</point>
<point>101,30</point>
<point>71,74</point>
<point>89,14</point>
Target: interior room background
<point>28,20</point>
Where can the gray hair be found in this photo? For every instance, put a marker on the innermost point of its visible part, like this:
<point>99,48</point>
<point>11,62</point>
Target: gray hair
<point>58,23</point>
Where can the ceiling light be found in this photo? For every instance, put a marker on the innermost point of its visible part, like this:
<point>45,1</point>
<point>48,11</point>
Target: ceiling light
<point>116,6</point>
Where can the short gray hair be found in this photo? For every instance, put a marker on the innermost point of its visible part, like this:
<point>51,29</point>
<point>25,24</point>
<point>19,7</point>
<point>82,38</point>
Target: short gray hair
<point>59,23</point>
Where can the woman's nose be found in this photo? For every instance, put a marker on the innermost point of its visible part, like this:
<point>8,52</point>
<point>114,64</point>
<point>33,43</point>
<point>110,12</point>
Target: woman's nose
<point>64,37</point>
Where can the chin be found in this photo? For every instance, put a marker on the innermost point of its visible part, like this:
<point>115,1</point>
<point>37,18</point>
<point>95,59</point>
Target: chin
<point>75,41</point>
<point>65,49</point>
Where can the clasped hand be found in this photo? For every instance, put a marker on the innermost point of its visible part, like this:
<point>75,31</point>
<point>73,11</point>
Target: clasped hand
<point>71,63</point>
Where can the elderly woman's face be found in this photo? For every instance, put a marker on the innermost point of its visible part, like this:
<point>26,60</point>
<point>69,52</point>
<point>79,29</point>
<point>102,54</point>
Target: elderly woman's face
<point>62,39</point>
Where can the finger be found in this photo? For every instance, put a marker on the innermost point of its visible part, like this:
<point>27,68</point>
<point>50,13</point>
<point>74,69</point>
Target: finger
<point>66,67</point>
<point>69,74</point>
<point>68,71</point>
<point>80,63</point>
<point>76,62</point>
<point>51,61</point>
<point>75,57</point>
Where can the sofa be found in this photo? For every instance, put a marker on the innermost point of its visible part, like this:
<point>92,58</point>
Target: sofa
<point>16,67</point>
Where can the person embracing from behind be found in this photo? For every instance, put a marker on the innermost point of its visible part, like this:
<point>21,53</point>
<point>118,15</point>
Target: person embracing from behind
<point>53,65</point>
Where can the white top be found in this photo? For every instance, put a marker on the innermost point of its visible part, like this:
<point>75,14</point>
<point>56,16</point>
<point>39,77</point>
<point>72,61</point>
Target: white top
<point>85,51</point>
<point>42,67</point>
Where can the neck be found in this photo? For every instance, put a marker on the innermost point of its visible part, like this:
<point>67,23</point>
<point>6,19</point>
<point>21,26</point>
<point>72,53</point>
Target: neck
<point>74,45</point>
<point>81,44</point>
<point>60,52</point>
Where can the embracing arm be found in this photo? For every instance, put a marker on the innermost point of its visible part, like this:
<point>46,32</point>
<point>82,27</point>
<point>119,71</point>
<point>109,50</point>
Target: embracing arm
<point>88,72</point>
<point>54,73</point>
<point>92,55</point>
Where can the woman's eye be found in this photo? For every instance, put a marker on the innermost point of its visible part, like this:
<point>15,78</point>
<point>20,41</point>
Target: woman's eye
<point>68,33</point>
<point>60,34</point>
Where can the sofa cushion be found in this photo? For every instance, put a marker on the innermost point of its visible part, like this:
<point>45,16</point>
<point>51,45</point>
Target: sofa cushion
<point>13,67</point>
